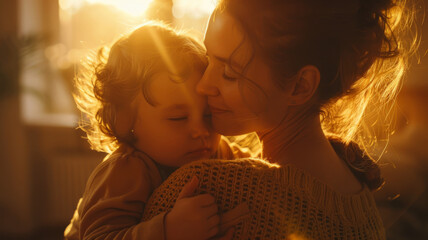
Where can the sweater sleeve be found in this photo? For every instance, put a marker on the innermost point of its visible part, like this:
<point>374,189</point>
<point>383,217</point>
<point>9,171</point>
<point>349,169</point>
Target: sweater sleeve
<point>114,201</point>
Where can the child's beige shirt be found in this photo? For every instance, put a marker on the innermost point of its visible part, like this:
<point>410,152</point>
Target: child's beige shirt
<point>116,194</point>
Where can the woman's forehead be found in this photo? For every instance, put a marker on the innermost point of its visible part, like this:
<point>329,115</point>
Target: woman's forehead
<point>223,34</point>
<point>225,40</point>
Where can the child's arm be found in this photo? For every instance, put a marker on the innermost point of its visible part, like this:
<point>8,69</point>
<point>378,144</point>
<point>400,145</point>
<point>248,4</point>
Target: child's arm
<point>192,217</point>
<point>114,201</point>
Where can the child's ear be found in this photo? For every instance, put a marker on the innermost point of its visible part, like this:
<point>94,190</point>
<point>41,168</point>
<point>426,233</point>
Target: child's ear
<point>124,121</point>
<point>308,79</point>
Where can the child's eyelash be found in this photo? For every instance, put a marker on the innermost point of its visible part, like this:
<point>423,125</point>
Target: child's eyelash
<point>177,118</point>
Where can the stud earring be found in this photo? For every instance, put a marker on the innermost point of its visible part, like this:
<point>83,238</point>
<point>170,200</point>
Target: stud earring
<point>132,137</point>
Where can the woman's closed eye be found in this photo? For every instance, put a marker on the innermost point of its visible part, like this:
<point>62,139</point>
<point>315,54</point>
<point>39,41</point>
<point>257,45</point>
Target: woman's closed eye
<point>229,73</point>
<point>178,118</point>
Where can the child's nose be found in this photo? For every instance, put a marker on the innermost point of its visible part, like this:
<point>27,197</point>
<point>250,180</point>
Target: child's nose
<point>205,85</point>
<point>200,130</point>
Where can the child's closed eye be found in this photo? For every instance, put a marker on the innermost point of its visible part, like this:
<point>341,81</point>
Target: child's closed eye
<point>180,118</point>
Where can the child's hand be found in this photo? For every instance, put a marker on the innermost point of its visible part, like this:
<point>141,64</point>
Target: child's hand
<point>192,217</point>
<point>227,236</point>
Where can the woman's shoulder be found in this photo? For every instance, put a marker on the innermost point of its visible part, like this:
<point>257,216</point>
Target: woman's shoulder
<point>260,174</point>
<point>280,192</point>
<point>255,164</point>
<point>223,168</point>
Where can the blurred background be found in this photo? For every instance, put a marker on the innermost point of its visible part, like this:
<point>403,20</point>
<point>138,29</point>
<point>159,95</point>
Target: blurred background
<point>44,159</point>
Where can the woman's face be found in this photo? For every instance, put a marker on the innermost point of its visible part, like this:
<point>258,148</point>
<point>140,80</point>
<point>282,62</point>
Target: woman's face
<point>242,94</point>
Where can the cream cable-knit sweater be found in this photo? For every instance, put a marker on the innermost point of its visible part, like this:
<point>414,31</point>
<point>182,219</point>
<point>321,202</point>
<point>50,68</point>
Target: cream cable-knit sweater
<point>283,201</point>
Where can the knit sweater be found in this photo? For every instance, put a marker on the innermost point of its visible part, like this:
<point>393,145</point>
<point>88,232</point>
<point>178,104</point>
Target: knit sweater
<point>116,192</point>
<point>283,202</point>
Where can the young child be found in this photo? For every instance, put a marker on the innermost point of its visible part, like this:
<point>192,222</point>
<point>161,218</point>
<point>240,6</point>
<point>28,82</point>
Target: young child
<point>144,111</point>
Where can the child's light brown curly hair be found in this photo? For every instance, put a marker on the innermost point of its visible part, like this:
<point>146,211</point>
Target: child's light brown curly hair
<point>107,85</point>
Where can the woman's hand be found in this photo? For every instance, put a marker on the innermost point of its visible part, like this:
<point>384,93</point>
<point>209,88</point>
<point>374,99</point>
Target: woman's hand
<point>192,217</point>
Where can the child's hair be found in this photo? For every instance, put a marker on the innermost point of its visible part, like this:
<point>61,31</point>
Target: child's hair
<point>108,84</point>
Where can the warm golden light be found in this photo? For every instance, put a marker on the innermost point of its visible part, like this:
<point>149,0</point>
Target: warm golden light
<point>195,8</point>
<point>135,8</point>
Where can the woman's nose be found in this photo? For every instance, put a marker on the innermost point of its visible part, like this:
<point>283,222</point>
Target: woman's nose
<point>205,86</point>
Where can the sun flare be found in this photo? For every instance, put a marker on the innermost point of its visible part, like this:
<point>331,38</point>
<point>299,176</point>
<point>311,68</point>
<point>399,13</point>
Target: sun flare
<point>133,7</point>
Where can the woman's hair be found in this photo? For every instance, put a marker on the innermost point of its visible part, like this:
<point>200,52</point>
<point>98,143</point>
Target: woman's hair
<point>360,47</point>
<point>108,84</point>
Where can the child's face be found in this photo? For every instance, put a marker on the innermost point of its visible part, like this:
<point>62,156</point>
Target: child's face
<point>177,129</point>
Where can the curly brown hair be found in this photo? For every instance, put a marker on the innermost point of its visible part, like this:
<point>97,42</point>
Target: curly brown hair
<point>108,84</point>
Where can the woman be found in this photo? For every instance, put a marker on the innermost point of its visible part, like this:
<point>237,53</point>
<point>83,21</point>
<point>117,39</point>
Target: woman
<point>300,74</point>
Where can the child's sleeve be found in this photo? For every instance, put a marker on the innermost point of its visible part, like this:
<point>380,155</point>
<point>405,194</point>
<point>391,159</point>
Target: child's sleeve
<point>230,150</point>
<point>114,201</point>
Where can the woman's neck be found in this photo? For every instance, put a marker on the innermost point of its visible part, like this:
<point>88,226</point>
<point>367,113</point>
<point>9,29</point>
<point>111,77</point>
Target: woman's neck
<point>300,141</point>
<point>297,138</point>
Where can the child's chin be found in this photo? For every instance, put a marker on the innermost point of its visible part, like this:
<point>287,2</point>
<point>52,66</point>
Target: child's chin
<point>195,157</point>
